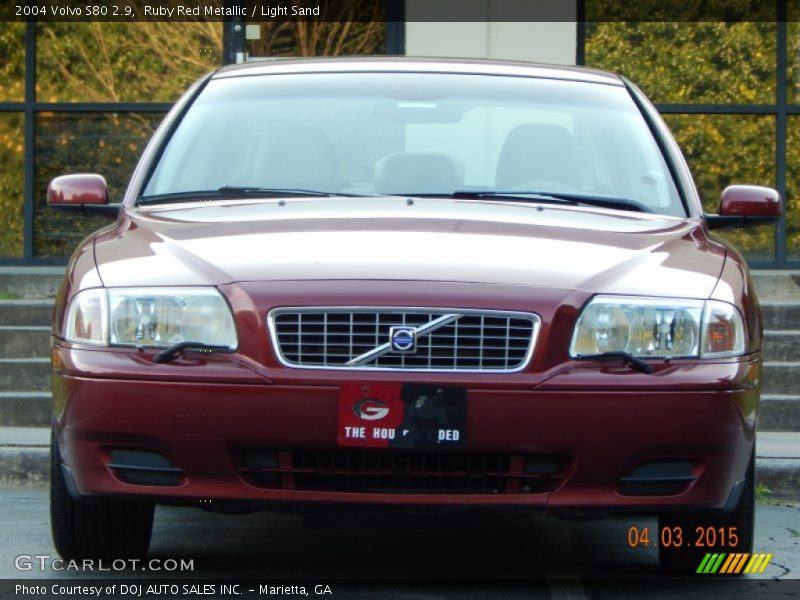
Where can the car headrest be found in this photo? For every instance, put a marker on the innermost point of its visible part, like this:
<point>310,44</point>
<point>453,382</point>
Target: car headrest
<point>418,173</point>
<point>537,152</point>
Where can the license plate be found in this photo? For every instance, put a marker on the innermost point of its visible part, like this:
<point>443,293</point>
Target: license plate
<point>408,415</point>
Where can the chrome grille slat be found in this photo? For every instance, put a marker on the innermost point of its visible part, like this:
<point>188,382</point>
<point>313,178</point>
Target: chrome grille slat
<point>448,340</point>
<point>325,338</point>
<point>508,322</point>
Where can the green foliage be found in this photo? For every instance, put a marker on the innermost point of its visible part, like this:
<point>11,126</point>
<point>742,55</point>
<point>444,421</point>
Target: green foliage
<point>727,149</point>
<point>792,185</point>
<point>689,63</point>
<point>12,89</point>
<point>690,11</point>
<point>793,140</point>
<point>107,143</point>
<point>124,62</point>
<point>12,62</point>
<point>114,62</point>
<point>11,183</point>
<point>106,62</point>
<point>347,28</point>
<point>89,62</point>
<point>763,494</point>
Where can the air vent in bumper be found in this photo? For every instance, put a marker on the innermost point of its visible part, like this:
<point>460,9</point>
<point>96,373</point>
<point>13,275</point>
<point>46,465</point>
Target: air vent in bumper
<point>401,472</point>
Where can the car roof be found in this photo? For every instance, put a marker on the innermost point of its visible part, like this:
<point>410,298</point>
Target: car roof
<point>405,64</point>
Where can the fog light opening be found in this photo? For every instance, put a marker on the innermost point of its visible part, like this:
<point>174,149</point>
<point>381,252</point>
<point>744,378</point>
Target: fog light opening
<point>658,478</point>
<point>144,467</point>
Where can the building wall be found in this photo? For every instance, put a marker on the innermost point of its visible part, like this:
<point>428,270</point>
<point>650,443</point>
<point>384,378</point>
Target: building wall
<point>544,31</point>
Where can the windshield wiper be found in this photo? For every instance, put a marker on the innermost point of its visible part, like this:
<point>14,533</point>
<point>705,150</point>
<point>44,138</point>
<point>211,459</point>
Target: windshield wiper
<point>239,191</point>
<point>251,190</point>
<point>173,351</point>
<point>478,195</point>
<point>559,197</point>
<point>626,357</point>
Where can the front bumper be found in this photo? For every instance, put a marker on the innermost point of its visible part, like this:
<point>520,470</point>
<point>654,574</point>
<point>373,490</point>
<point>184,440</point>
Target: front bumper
<point>600,433</point>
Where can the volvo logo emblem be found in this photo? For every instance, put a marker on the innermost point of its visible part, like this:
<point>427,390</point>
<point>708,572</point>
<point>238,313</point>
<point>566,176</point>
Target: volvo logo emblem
<point>403,339</point>
<point>370,409</point>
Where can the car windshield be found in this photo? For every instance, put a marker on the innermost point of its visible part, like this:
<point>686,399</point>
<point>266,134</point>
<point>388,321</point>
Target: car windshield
<point>499,137</point>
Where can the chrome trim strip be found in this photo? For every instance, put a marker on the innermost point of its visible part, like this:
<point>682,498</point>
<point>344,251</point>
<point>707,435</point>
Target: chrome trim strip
<point>458,312</point>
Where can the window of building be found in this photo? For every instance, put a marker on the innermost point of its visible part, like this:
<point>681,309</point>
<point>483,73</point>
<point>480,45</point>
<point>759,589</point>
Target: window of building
<point>86,97</point>
<point>722,90</point>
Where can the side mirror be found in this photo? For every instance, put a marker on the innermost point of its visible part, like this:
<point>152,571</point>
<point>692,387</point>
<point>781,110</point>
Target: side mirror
<point>743,205</point>
<point>82,193</point>
<point>750,201</point>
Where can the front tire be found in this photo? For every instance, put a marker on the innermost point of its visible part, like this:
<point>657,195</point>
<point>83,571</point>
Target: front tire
<point>686,560</point>
<point>101,529</point>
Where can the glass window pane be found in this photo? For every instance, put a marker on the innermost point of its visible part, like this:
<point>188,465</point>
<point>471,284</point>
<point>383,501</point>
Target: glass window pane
<point>123,62</point>
<point>478,133</point>
<point>349,27</point>
<point>12,62</point>
<point>12,174</point>
<point>793,57</point>
<point>727,149</point>
<point>792,206</point>
<point>793,52</point>
<point>105,143</point>
<point>689,62</point>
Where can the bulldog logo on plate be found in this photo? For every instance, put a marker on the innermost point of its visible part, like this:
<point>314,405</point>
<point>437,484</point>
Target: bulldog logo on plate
<point>403,339</point>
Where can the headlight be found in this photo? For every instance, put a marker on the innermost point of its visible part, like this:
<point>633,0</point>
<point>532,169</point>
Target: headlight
<point>658,328</point>
<point>154,317</point>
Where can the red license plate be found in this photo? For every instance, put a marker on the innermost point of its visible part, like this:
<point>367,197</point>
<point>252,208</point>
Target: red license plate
<point>409,415</point>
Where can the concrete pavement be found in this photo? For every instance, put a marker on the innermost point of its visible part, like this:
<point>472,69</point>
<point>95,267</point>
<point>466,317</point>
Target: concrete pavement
<point>410,559</point>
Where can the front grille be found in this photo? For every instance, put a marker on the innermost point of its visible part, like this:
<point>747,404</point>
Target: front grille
<point>402,471</point>
<point>446,340</point>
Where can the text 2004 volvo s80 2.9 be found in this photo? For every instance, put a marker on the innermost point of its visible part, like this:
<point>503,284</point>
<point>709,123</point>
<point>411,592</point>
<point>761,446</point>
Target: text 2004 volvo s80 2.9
<point>410,285</point>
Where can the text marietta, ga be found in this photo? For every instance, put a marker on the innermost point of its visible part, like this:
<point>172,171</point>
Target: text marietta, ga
<point>230,11</point>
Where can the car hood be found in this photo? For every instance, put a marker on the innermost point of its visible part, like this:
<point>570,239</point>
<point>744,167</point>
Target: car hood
<point>595,250</point>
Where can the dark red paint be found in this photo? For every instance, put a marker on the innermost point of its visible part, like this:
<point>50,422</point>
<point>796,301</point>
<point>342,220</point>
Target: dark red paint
<point>82,188</point>
<point>750,201</point>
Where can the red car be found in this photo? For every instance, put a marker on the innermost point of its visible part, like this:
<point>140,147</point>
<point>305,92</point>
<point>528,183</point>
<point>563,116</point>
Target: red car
<point>410,285</point>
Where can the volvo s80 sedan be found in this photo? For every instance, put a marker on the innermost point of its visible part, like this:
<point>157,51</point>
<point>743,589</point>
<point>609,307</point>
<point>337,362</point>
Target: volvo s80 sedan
<point>409,286</point>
